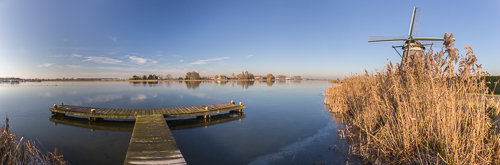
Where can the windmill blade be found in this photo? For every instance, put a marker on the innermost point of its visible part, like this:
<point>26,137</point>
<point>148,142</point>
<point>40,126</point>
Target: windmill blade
<point>412,23</point>
<point>429,39</point>
<point>386,39</point>
<point>416,22</point>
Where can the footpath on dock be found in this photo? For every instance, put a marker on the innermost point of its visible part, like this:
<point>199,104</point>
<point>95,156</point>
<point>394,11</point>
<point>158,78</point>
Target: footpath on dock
<point>151,142</point>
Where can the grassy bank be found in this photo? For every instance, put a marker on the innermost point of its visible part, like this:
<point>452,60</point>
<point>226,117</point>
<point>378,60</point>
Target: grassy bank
<point>17,151</point>
<point>420,112</point>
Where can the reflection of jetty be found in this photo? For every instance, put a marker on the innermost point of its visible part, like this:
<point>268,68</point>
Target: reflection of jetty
<point>128,126</point>
<point>152,141</point>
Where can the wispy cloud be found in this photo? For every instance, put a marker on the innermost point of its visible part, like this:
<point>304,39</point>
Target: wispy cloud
<point>45,65</point>
<point>114,38</point>
<point>181,60</point>
<point>199,62</point>
<point>140,60</point>
<point>249,56</point>
<point>74,66</point>
<point>76,55</point>
<point>112,53</point>
<point>102,60</point>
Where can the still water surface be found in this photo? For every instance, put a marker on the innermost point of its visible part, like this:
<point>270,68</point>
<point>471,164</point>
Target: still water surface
<point>284,122</point>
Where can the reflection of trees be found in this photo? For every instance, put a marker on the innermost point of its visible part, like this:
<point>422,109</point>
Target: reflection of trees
<point>192,84</point>
<point>269,83</point>
<point>296,81</point>
<point>245,84</point>
<point>222,82</point>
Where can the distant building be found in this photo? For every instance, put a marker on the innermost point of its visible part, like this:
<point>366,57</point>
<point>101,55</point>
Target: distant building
<point>280,77</point>
<point>257,77</point>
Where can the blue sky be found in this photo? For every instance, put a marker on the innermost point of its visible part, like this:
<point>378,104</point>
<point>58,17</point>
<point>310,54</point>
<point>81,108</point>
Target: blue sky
<point>313,39</point>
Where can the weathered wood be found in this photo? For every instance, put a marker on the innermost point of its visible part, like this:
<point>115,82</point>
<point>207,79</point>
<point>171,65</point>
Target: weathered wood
<point>132,113</point>
<point>152,142</point>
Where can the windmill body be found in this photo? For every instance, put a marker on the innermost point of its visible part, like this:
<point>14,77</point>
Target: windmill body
<point>412,44</point>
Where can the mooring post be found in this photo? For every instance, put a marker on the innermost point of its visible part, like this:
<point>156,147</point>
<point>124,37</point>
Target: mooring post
<point>92,112</point>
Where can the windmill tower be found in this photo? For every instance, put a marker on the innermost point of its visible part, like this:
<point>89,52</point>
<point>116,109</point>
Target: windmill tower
<point>412,44</point>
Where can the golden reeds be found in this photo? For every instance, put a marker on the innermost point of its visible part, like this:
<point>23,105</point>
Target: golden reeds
<point>15,151</point>
<point>420,112</point>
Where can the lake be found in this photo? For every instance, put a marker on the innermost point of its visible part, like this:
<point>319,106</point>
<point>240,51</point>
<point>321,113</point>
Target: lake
<point>285,122</point>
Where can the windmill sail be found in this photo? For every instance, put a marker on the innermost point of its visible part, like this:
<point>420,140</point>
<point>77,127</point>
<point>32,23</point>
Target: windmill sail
<point>415,21</point>
<point>386,38</point>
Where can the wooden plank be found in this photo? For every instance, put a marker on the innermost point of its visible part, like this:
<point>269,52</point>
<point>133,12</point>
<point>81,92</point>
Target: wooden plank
<point>152,142</point>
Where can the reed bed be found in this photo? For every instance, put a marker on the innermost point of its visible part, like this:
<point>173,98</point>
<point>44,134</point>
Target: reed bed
<point>420,111</point>
<point>16,151</point>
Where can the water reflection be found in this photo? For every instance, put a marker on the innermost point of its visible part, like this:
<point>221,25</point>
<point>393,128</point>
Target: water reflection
<point>270,83</point>
<point>128,126</point>
<point>193,84</point>
<point>245,84</point>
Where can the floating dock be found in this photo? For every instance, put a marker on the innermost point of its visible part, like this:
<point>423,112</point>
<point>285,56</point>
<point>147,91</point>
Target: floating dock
<point>151,142</point>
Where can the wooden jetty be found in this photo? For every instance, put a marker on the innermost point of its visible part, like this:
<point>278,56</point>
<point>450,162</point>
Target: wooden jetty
<point>128,126</point>
<point>151,142</point>
<point>101,113</point>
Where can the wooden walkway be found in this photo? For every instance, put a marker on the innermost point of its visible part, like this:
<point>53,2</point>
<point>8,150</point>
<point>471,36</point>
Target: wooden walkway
<point>128,126</point>
<point>94,113</point>
<point>152,142</point>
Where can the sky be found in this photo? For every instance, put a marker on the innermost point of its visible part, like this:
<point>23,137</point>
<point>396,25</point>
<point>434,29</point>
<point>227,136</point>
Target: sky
<point>312,39</point>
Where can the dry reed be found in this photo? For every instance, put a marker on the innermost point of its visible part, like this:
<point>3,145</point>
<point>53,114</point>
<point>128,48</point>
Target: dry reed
<point>15,151</point>
<point>420,111</point>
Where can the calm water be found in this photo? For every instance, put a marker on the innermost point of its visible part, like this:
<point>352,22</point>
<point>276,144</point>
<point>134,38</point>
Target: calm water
<point>284,122</point>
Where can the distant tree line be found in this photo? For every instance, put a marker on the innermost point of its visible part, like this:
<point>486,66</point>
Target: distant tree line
<point>151,77</point>
<point>196,76</point>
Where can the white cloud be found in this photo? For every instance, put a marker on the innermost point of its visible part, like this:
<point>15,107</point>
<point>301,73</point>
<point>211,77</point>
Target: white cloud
<point>102,60</point>
<point>113,38</point>
<point>74,66</point>
<point>76,55</point>
<point>140,60</point>
<point>182,60</point>
<point>249,56</point>
<point>112,53</point>
<point>45,65</point>
<point>199,62</point>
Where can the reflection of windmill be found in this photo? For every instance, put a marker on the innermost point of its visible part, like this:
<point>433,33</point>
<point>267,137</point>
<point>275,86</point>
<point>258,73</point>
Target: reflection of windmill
<point>412,44</point>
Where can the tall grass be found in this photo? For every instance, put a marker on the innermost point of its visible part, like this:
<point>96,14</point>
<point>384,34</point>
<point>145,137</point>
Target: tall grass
<point>14,151</point>
<point>420,111</point>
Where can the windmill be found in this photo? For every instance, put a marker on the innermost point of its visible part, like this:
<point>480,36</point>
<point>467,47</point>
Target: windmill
<point>412,44</point>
